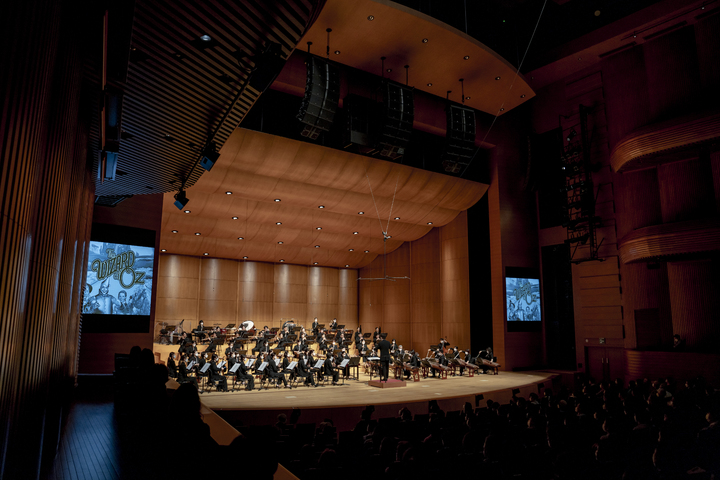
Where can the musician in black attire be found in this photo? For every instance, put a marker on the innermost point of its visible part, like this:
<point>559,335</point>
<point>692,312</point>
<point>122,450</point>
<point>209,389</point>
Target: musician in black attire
<point>242,374</point>
<point>183,372</point>
<point>216,374</point>
<point>330,370</point>
<point>172,368</point>
<point>486,354</point>
<point>261,345</point>
<point>304,371</point>
<point>344,356</point>
<point>383,347</point>
<point>358,337</point>
<point>272,369</point>
<point>333,324</point>
<point>315,326</point>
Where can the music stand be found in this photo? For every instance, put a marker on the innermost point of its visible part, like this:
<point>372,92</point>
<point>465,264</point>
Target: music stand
<point>355,363</point>
<point>342,365</point>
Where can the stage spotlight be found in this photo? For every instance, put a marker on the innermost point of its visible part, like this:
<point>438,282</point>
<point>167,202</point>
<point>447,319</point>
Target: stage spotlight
<point>209,157</point>
<point>571,135</point>
<point>181,199</point>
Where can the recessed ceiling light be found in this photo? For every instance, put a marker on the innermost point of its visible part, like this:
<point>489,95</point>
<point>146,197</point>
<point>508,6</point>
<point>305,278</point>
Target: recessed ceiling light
<point>351,250</point>
<point>361,213</point>
<point>277,199</point>
<point>174,231</point>
<point>429,84</point>
<point>317,246</point>
<point>355,233</point>
<point>429,223</point>
<point>197,233</point>
<point>522,96</point>
<point>425,40</point>
<point>163,250</point>
<point>397,218</point>
<point>206,253</point>
<point>321,206</point>
<point>502,109</point>
<point>278,223</point>
<point>281,260</point>
<point>497,78</point>
<point>347,265</point>
<point>371,17</point>
<point>467,98</point>
<point>168,137</point>
<point>467,57</point>
<point>314,263</point>
<point>228,193</point>
<point>205,38</point>
<point>367,251</point>
<point>241,238</point>
<point>388,70</point>
<point>245,256</point>
<point>337,52</point>
<point>234,218</point>
<point>178,55</point>
<point>597,13</point>
<point>318,228</point>
<point>187,211</point>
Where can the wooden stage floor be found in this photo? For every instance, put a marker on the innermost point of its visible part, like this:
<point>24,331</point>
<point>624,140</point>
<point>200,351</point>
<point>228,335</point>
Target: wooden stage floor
<point>343,404</point>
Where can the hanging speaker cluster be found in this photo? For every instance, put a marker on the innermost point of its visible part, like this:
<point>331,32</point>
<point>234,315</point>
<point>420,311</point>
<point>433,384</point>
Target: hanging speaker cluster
<point>398,113</point>
<point>460,137</point>
<point>322,94</point>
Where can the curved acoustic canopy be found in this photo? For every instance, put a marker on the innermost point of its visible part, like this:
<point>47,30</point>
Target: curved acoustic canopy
<point>665,142</point>
<point>671,240</point>
<point>257,169</point>
<point>363,31</point>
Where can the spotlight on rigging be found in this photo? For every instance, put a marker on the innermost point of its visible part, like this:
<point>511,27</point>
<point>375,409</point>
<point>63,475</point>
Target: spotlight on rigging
<point>209,157</point>
<point>181,199</point>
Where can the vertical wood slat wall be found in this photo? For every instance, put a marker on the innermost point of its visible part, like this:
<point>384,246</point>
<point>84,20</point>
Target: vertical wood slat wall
<point>44,190</point>
<point>435,301</point>
<point>221,291</point>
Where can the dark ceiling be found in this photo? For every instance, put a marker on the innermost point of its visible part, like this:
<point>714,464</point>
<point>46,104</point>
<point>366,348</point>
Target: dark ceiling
<point>507,26</point>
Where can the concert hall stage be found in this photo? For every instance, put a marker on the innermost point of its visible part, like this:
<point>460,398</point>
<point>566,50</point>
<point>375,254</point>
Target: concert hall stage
<point>343,404</point>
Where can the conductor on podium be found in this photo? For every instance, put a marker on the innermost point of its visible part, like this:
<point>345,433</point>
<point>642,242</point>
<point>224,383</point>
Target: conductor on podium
<point>383,347</point>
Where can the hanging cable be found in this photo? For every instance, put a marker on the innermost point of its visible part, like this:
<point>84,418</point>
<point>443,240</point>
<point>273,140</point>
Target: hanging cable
<point>517,72</point>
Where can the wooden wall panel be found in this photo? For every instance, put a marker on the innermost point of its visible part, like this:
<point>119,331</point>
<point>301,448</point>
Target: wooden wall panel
<point>255,292</point>
<point>708,52</point>
<point>671,64</point>
<point>715,167</point>
<point>678,365</point>
<point>686,190</point>
<point>642,201</point>
<point>348,298</point>
<point>695,303</point>
<point>653,293</point>
<point>455,282</point>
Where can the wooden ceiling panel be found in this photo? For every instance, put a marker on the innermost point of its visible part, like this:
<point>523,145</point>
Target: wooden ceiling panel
<point>259,168</point>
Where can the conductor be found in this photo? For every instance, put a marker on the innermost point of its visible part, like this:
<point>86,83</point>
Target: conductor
<point>383,347</point>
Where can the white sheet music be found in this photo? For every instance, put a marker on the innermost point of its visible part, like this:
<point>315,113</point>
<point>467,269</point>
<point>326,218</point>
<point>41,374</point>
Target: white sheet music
<point>192,364</point>
<point>344,363</point>
<point>222,364</point>
<point>262,366</point>
<point>292,365</point>
<point>205,367</point>
<point>319,363</point>
<point>249,362</point>
<point>235,368</point>
<point>373,359</point>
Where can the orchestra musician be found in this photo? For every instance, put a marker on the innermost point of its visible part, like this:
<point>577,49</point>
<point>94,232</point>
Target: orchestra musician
<point>216,374</point>
<point>358,337</point>
<point>315,326</point>
<point>363,349</point>
<point>273,372</point>
<point>443,344</point>
<point>242,373</point>
<point>486,354</point>
<point>393,347</point>
<point>322,343</point>
<point>183,372</point>
<point>344,356</point>
<point>329,368</point>
<point>414,362</point>
<point>171,366</point>
<point>399,353</point>
<point>303,370</point>
<point>261,344</point>
<point>333,324</point>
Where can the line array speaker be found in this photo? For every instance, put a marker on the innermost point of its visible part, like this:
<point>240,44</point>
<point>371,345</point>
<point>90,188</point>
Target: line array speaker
<point>322,93</point>
<point>460,137</point>
<point>397,119</point>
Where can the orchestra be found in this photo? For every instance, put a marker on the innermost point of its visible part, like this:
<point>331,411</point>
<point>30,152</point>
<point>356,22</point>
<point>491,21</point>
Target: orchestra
<point>290,355</point>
